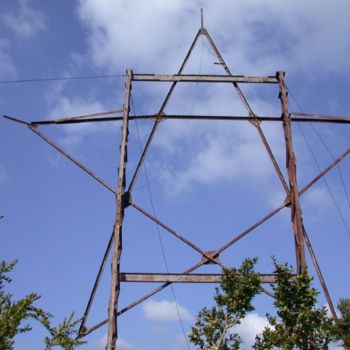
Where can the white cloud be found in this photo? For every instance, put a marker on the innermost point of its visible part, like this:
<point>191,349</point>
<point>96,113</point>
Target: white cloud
<point>164,311</point>
<point>25,22</point>
<point>317,201</point>
<point>264,35</point>
<point>74,106</point>
<point>122,344</point>
<point>216,152</point>
<point>252,325</point>
<point>7,67</point>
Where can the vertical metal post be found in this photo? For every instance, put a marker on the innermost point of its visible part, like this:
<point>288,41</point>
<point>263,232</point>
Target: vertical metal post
<point>117,230</point>
<point>296,214</point>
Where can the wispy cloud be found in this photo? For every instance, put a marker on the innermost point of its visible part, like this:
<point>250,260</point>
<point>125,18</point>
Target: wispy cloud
<point>26,22</point>
<point>263,36</point>
<point>7,67</point>
<point>164,311</point>
<point>252,325</point>
<point>74,134</point>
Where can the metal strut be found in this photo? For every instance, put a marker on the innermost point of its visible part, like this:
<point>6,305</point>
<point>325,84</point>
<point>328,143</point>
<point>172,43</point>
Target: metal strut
<point>296,214</point>
<point>117,230</point>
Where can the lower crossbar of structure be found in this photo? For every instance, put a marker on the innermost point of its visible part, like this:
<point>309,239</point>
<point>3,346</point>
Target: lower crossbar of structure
<point>183,278</point>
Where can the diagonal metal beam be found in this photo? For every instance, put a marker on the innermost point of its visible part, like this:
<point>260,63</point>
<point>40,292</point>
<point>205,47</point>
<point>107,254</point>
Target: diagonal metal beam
<point>161,110</point>
<point>75,118</point>
<point>237,238</point>
<point>320,275</point>
<point>255,122</point>
<point>82,327</point>
<point>210,257</point>
<point>71,158</point>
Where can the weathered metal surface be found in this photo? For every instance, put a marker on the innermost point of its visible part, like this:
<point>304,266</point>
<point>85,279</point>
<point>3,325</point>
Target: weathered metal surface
<point>156,117</point>
<point>76,118</point>
<point>325,171</point>
<point>189,78</point>
<point>177,235</point>
<point>112,334</point>
<point>13,119</point>
<point>291,201</point>
<point>296,214</point>
<point>320,276</point>
<point>75,161</point>
<point>336,119</point>
<point>96,284</point>
<point>253,117</point>
<point>161,111</point>
<point>183,278</point>
<point>234,240</point>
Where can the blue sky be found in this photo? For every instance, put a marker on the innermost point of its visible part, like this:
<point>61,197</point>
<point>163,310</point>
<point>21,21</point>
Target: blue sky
<point>208,181</point>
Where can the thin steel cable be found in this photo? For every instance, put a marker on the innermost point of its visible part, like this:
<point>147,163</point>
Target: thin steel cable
<point>158,230</point>
<point>319,168</point>
<point>36,80</point>
<point>329,151</point>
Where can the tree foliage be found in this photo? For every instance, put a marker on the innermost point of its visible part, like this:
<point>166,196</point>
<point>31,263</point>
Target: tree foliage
<point>299,323</point>
<point>214,328</point>
<point>14,314</point>
<point>64,335</point>
<point>342,327</point>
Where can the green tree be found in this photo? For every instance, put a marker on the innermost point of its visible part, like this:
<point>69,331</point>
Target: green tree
<point>214,328</point>
<point>64,335</point>
<point>342,326</point>
<point>299,323</point>
<point>14,314</point>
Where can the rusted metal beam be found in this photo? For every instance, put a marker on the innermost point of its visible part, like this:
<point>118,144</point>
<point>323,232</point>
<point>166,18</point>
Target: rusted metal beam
<point>183,278</point>
<point>183,117</point>
<point>338,119</point>
<point>296,214</point>
<point>234,240</point>
<point>320,276</point>
<point>82,327</point>
<point>253,117</point>
<point>161,110</point>
<point>325,171</point>
<point>16,120</point>
<point>190,78</point>
<point>75,161</point>
<point>147,296</point>
<point>76,118</point>
<point>210,256</point>
<point>112,334</point>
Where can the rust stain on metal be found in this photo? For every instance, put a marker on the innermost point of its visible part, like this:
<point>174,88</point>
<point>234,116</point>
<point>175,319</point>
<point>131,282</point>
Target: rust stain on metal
<point>123,193</point>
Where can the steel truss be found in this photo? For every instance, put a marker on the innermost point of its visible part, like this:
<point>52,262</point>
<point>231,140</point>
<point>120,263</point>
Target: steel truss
<point>123,193</point>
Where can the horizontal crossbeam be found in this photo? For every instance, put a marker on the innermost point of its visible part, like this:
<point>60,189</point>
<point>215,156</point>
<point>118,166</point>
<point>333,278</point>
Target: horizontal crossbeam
<point>183,278</point>
<point>188,78</point>
<point>330,119</point>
